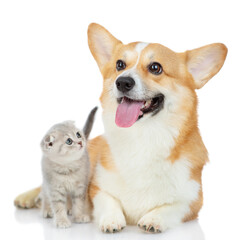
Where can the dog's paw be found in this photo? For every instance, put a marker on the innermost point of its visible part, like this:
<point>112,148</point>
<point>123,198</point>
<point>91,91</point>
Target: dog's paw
<point>83,218</point>
<point>151,224</point>
<point>62,223</point>
<point>112,223</point>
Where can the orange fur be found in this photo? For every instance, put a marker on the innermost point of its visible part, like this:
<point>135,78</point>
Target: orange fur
<point>93,190</point>
<point>99,152</point>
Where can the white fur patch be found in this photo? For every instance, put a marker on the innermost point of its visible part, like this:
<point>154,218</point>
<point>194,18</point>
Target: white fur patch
<point>108,213</point>
<point>139,48</point>
<point>145,178</point>
<point>138,89</point>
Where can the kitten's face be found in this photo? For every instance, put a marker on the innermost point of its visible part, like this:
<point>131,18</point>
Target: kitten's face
<point>64,141</point>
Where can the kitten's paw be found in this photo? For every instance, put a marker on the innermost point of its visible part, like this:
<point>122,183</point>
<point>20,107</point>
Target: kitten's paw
<point>151,224</point>
<point>112,223</point>
<point>84,218</point>
<point>69,212</point>
<point>38,201</point>
<point>62,223</point>
<point>47,213</point>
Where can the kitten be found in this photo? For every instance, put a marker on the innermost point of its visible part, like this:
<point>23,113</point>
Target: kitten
<point>65,170</point>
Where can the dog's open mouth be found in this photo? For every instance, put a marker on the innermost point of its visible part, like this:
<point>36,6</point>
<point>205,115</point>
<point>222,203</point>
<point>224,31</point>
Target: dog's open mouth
<point>129,110</point>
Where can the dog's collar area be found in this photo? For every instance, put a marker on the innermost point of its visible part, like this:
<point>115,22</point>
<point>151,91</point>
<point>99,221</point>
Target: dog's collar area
<point>153,105</point>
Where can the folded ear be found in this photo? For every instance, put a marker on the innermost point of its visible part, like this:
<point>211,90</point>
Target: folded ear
<point>203,63</point>
<point>101,44</point>
<point>48,142</point>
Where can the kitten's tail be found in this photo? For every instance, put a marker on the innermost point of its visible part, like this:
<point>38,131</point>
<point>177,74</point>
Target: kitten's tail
<point>89,122</point>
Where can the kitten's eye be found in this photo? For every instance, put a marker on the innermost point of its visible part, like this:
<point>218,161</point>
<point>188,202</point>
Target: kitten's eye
<point>155,68</point>
<point>69,141</point>
<point>78,135</point>
<point>120,65</point>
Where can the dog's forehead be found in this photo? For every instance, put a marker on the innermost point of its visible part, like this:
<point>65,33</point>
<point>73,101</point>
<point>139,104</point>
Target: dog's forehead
<point>131,50</point>
<point>156,50</point>
<point>142,54</point>
<point>147,51</point>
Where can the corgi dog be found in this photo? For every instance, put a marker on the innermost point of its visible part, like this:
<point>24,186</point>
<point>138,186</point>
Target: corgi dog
<point>147,166</point>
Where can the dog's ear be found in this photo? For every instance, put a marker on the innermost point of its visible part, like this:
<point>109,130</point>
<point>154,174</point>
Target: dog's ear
<point>203,63</point>
<point>101,44</point>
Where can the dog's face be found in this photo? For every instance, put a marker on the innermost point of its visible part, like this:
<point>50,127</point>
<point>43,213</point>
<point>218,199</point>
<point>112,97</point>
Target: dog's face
<point>141,80</point>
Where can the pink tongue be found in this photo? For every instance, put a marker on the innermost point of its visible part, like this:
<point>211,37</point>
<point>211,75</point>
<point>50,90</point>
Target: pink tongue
<point>128,112</point>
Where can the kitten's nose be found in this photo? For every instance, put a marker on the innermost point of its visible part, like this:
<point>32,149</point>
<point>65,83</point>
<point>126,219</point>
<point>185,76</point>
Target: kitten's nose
<point>80,143</point>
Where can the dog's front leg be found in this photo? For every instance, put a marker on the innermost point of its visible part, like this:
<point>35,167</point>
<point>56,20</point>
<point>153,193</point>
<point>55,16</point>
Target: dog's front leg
<point>164,217</point>
<point>108,213</point>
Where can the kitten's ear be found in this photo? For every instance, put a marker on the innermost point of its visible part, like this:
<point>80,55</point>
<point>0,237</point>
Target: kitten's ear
<point>101,44</point>
<point>48,141</point>
<point>203,63</point>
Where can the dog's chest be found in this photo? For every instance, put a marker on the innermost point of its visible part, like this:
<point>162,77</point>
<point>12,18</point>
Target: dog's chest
<point>147,174</point>
<point>145,178</point>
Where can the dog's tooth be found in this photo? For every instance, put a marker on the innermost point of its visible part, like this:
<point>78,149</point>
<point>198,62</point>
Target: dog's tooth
<point>148,102</point>
<point>143,106</point>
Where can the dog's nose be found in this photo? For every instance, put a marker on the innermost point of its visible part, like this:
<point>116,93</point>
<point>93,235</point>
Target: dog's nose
<point>125,84</point>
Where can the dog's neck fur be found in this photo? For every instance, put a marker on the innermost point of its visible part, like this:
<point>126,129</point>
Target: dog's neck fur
<point>151,138</point>
<point>162,132</point>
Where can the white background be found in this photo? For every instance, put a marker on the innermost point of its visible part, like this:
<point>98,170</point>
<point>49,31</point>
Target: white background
<point>47,75</point>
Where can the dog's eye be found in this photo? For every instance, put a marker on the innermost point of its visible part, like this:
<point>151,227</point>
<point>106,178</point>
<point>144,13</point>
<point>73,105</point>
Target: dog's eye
<point>155,68</point>
<point>69,141</point>
<point>78,135</point>
<point>120,65</point>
